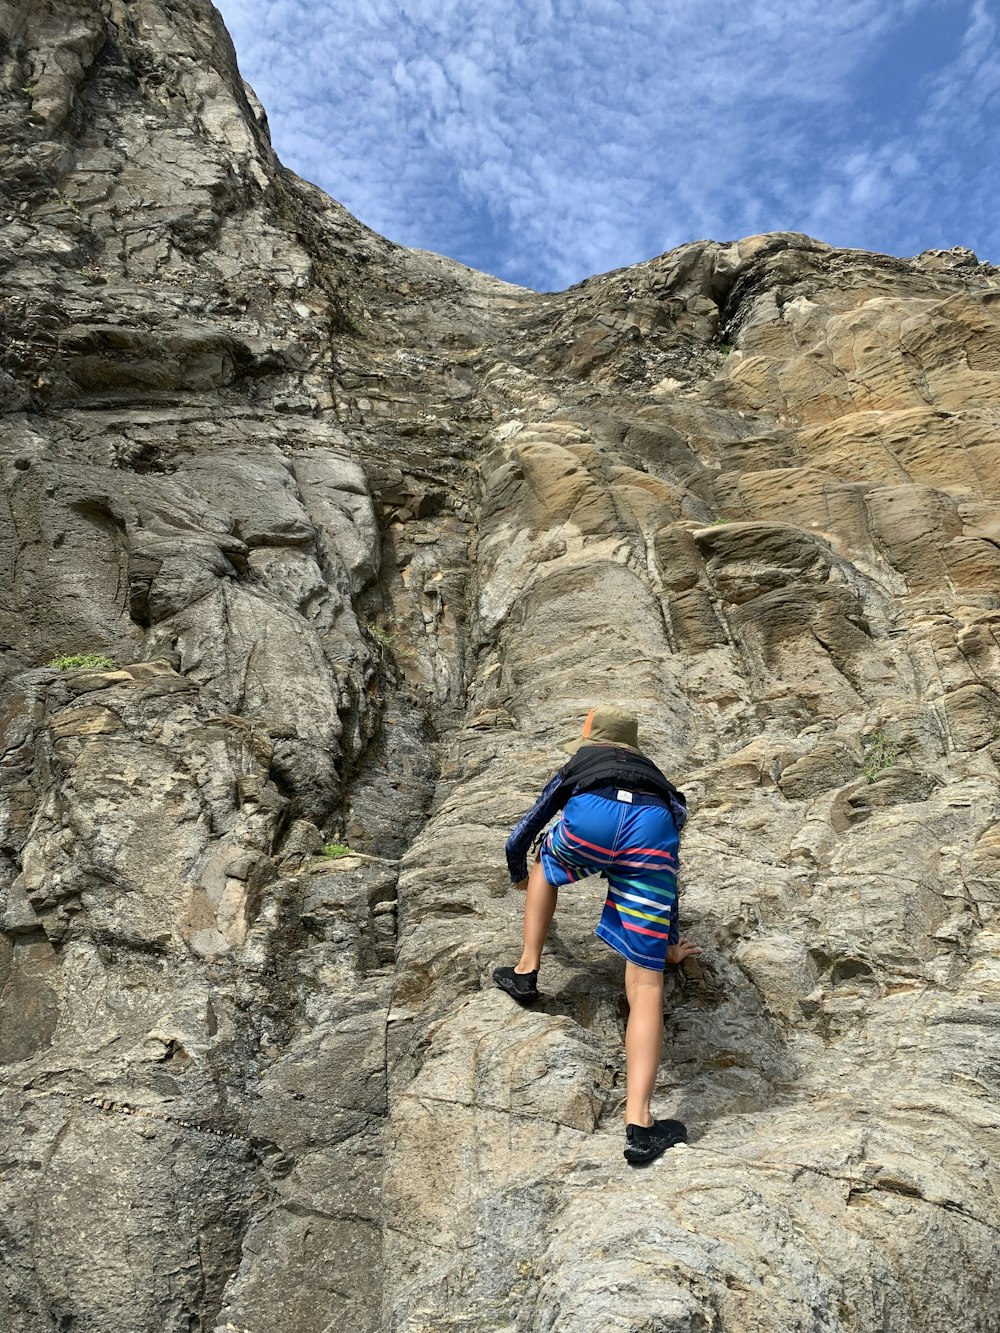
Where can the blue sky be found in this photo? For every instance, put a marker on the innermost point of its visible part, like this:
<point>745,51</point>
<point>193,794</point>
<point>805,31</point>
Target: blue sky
<point>546,140</point>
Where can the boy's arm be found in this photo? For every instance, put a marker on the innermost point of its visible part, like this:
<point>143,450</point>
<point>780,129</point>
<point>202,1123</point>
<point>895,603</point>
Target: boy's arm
<point>551,800</point>
<point>675,952</point>
<point>675,933</point>
<point>678,810</point>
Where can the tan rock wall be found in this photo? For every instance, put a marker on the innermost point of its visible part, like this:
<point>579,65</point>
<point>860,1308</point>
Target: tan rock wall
<point>356,536</point>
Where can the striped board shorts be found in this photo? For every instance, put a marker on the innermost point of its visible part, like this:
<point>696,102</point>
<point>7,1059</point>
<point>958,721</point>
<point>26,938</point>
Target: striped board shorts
<point>634,846</point>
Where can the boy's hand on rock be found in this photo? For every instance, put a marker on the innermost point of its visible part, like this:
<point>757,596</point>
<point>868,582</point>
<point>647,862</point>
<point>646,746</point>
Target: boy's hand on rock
<point>522,885</point>
<point>676,953</point>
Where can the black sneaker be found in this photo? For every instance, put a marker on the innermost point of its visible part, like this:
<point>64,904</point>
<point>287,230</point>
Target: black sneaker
<point>644,1143</point>
<point>522,985</point>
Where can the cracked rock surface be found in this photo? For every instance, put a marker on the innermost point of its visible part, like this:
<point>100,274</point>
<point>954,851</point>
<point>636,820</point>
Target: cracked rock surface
<point>352,537</point>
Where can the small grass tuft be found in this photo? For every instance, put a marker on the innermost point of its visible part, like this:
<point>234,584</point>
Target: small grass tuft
<point>880,754</point>
<point>379,633</point>
<point>88,661</point>
<point>333,851</point>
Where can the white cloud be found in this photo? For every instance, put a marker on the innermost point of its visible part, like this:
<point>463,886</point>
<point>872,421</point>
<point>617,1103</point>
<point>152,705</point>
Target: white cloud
<point>547,139</point>
<point>929,183</point>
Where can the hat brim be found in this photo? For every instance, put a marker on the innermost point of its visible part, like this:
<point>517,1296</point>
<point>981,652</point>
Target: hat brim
<point>571,747</point>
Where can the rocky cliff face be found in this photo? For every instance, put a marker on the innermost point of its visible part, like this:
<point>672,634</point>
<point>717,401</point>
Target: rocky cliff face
<point>363,534</point>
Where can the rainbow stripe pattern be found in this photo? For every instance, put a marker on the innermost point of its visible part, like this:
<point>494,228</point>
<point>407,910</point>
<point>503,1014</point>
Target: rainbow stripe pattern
<point>634,846</point>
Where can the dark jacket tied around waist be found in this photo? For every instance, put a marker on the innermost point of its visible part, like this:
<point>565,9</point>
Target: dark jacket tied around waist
<point>591,768</point>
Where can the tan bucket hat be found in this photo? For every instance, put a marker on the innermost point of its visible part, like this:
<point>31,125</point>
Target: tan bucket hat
<point>608,725</point>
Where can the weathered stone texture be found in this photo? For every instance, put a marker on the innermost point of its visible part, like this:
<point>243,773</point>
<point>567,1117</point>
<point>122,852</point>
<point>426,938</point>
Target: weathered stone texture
<point>363,534</point>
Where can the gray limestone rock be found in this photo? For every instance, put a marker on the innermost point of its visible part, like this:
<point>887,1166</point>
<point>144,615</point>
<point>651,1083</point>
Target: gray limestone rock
<point>352,538</point>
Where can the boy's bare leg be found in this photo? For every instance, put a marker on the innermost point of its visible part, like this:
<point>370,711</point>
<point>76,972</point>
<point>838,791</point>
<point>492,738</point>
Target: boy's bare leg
<point>643,1041</point>
<point>539,908</point>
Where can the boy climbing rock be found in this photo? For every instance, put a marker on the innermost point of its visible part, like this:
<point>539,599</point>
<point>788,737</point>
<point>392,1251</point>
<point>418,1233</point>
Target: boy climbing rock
<point>621,819</point>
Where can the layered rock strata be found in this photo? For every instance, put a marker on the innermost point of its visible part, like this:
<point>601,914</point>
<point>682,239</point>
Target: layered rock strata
<point>359,535</point>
